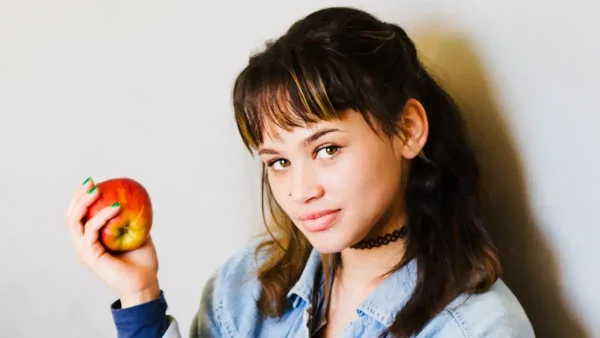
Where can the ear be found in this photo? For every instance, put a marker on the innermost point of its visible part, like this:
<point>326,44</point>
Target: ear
<point>414,128</point>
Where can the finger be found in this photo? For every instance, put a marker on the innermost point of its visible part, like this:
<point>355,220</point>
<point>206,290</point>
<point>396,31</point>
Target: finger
<point>83,203</point>
<point>85,187</point>
<point>98,221</point>
<point>79,192</point>
<point>79,211</point>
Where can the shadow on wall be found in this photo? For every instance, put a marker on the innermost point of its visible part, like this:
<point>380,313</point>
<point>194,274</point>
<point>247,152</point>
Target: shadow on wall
<point>531,270</point>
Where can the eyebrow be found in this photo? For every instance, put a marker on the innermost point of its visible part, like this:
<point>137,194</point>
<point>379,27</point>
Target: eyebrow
<point>307,141</point>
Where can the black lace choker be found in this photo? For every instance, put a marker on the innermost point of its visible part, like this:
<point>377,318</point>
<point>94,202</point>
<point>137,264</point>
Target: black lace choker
<point>381,240</point>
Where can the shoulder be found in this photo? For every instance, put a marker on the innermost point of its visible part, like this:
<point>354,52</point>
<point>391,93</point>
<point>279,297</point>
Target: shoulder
<point>227,303</point>
<point>494,313</point>
<point>241,267</point>
<point>239,271</point>
<point>234,287</point>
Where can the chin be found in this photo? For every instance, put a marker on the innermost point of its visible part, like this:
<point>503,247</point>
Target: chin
<point>328,249</point>
<point>328,243</point>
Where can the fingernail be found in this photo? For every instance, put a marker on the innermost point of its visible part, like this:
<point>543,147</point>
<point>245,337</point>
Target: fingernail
<point>86,180</point>
<point>93,189</point>
<point>116,204</point>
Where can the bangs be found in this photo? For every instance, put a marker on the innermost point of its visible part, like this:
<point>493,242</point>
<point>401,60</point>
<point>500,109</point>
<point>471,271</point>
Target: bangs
<point>285,91</point>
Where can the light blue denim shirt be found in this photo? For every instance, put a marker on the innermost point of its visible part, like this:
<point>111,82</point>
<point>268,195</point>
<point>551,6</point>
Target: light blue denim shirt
<point>228,307</point>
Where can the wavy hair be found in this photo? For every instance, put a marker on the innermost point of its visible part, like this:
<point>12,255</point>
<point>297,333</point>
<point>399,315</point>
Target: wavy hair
<point>343,58</point>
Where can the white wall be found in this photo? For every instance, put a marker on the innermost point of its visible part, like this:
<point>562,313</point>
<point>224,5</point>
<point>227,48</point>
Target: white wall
<point>141,89</point>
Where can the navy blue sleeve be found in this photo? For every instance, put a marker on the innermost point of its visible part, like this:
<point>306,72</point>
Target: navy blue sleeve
<point>141,321</point>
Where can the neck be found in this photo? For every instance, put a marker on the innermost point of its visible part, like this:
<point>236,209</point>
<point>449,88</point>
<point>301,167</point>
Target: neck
<point>361,271</point>
<point>366,266</point>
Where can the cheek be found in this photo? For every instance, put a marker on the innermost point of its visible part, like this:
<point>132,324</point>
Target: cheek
<point>367,177</point>
<point>277,189</point>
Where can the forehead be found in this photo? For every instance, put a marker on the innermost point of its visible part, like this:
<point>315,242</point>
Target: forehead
<point>349,121</point>
<point>274,134</point>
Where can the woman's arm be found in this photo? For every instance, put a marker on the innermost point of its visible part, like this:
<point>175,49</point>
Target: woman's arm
<point>150,319</point>
<point>144,320</point>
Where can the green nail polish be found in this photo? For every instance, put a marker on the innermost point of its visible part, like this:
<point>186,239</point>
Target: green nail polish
<point>116,204</point>
<point>86,180</point>
<point>92,190</point>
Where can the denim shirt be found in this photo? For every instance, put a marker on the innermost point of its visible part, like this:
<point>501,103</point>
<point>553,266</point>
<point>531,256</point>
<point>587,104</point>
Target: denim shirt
<point>228,308</point>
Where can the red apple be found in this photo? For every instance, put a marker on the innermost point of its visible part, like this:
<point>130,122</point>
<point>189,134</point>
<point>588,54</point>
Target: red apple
<point>131,227</point>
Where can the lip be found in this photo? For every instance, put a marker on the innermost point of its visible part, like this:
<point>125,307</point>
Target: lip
<point>319,221</point>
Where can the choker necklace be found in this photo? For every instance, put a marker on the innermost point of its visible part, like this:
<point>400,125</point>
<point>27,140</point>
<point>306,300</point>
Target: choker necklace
<point>381,240</point>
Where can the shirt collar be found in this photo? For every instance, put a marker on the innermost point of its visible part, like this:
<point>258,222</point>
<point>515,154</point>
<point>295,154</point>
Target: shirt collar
<point>382,304</point>
<point>391,295</point>
<point>303,289</point>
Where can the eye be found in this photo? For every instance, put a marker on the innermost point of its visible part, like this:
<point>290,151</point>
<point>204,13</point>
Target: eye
<point>279,164</point>
<point>328,151</point>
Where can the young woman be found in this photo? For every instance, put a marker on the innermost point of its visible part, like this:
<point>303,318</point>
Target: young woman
<point>372,189</point>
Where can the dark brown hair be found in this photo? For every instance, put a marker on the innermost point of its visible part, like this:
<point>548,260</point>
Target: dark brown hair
<point>343,58</point>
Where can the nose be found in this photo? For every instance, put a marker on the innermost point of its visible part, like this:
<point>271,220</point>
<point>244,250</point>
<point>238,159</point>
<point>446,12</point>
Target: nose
<point>305,185</point>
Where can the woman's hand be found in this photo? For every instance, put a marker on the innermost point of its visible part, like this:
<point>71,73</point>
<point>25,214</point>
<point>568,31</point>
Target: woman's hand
<point>131,275</point>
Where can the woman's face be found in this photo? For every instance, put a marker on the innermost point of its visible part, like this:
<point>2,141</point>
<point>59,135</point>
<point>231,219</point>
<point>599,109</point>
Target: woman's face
<point>343,179</point>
